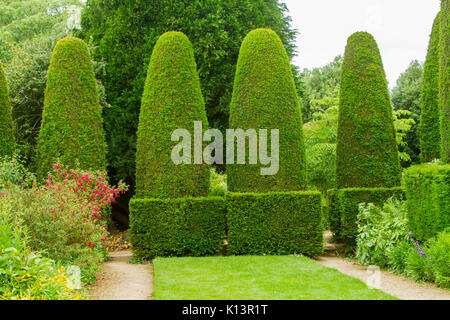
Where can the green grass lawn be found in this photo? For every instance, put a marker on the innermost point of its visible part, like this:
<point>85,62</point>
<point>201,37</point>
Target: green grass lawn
<point>255,278</point>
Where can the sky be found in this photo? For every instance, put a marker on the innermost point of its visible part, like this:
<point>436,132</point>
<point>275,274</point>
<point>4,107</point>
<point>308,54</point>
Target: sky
<point>401,28</point>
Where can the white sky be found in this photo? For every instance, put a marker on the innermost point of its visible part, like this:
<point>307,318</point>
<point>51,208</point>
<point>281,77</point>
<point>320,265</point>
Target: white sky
<point>400,27</point>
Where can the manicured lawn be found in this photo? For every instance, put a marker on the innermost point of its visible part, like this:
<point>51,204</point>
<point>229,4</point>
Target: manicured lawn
<point>255,277</point>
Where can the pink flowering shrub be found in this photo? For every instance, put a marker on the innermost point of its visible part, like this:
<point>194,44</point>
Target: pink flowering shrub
<point>66,216</point>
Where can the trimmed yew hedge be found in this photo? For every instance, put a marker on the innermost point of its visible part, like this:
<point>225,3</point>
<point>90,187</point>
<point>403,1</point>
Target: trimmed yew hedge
<point>444,79</point>
<point>275,223</point>
<point>429,127</point>
<point>72,125</point>
<point>366,154</point>
<point>343,208</point>
<point>428,199</point>
<point>177,227</point>
<point>172,99</point>
<point>264,97</point>
<point>7,141</point>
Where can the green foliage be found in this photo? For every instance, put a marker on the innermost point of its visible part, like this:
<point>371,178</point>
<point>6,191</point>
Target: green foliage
<point>380,231</point>
<point>406,96</point>
<point>71,128</point>
<point>275,223</point>
<point>320,142</point>
<point>444,79</point>
<point>14,172</point>
<point>402,124</point>
<point>217,183</point>
<point>29,30</point>
<point>428,192</point>
<point>125,33</point>
<point>177,227</point>
<point>25,274</point>
<point>343,208</point>
<point>367,153</point>
<point>418,266</point>
<point>439,253</point>
<point>7,142</point>
<point>172,100</point>
<point>429,129</point>
<point>265,97</point>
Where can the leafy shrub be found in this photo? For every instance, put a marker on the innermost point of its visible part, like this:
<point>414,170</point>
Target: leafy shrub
<point>265,97</point>
<point>177,227</point>
<point>172,99</point>
<point>427,189</point>
<point>366,154</point>
<point>418,265</point>
<point>398,255</point>
<point>439,252</point>
<point>343,208</point>
<point>13,172</point>
<point>275,223</point>
<point>25,274</point>
<point>430,131</point>
<point>382,232</point>
<point>71,127</point>
<point>217,184</point>
<point>65,217</point>
<point>7,141</point>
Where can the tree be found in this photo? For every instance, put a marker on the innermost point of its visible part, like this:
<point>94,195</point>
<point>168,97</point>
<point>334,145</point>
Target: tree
<point>366,154</point>
<point>6,126</point>
<point>444,80</point>
<point>29,30</point>
<point>265,97</point>
<point>125,33</point>
<point>71,127</point>
<point>406,96</point>
<point>172,100</point>
<point>429,128</point>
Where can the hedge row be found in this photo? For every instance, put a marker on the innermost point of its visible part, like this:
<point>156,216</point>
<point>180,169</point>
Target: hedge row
<point>177,227</point>
<point>444,79</point>
<point>275,223</point>
<point>428,198</point>
<point>343,208</point>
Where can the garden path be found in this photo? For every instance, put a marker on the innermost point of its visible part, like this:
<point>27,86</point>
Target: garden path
<point>121,280</point>
<point>399,286</point>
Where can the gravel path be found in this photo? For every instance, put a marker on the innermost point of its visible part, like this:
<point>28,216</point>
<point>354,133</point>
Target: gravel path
<point>399,286</point>
<point>120,280</point>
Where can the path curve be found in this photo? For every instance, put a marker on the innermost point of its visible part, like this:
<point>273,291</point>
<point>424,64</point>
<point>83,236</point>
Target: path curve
<point>121,280</point>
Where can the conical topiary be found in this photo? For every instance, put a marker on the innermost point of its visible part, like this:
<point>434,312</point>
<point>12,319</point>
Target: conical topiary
<point>172,100</point>
<point>444,80</point>
<point>71,127</point>
<point>367,154</point>
<point>6,125</point>
<point>265,97</point>
<point>429,130</point>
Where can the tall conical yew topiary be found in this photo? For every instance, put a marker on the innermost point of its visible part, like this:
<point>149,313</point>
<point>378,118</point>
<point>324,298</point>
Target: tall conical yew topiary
<point>6,125</point>
<point>429,128</point>
<point>172,100</point>
<point>444,80</point>
<point>71,127</point>
<point>264,97</point>
<point>367,154</point>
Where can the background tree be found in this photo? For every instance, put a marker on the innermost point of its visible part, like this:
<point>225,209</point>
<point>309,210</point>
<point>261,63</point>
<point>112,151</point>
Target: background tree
<point>7,142</point>
<point>406,96</point>
<point>72,128</point>
<point>444,79</point>
<point>265,97</point>
<point>367,154</point>
<point>172,100</point>
<point>429,128</point>
<point>125,33</point>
